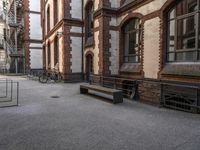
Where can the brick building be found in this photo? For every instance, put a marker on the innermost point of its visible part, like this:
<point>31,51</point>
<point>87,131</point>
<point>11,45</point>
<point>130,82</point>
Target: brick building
<point>153,41</point>
<point>22,35</point>
<point>14,36</point>
<point>2,46</point>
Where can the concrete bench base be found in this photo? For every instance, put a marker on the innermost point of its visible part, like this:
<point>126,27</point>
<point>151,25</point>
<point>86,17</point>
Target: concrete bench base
<point>117,94</point>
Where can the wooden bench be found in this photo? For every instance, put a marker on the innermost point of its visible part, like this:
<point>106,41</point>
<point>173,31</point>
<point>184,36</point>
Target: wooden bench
<point>117,94</point>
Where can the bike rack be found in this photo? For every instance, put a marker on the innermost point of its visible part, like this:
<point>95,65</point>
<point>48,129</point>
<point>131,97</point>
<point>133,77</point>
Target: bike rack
<point>9,93</point>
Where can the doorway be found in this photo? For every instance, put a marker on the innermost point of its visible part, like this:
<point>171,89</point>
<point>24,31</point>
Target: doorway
<point>89,66</point>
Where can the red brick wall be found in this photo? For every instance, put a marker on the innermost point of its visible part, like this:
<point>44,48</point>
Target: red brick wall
<point>26,34</point>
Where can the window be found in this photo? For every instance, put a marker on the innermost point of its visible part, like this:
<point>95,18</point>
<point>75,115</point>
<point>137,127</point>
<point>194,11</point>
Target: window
<point>56,51</point>
<point>89,19</point>
<point>183,38</point>
<point>131,36</point>
<point>48,19</point>
<point>55,11</point>
<point>49,54</point>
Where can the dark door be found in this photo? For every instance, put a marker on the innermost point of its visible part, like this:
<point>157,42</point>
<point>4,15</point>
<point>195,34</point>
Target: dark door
<point>89,66</point>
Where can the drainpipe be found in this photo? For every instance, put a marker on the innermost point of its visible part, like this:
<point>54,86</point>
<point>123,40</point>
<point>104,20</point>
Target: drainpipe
<point>44,32</point>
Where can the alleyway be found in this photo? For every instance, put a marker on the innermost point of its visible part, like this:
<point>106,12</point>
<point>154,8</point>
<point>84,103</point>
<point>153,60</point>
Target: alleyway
<point>85,122</point>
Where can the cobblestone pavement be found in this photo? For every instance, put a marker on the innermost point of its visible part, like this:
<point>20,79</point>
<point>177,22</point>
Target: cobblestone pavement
<point>86,122</point>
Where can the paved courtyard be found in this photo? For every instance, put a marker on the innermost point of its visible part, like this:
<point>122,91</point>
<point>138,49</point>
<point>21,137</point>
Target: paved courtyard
<point>86,122</point>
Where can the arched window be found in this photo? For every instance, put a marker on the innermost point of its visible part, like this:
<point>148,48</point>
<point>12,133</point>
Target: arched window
<point>49,54</point>
<point>89,19</point>
<point>56,51</point>
<point>131,41</point>
<point>48,19</point>
<point>183,32</point>
<point>55,11</point>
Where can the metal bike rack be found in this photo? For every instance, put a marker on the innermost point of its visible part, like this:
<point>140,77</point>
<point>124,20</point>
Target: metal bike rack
<point>9,93</point>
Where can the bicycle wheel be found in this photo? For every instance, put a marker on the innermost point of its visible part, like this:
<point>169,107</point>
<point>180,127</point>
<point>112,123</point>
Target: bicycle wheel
<point>43,79</point>
<point>57,78</point>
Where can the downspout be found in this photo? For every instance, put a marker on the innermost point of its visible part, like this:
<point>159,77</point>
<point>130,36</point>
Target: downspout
<point>44,32</point>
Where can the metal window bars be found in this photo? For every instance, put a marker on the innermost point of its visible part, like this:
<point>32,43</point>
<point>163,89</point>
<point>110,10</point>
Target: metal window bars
<point>9,93</point>
<point>181,97</point>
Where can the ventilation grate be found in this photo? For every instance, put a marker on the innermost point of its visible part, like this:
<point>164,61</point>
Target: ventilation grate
<point>180,97</point>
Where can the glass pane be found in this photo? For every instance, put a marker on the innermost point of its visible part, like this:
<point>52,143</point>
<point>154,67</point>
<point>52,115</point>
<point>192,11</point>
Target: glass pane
<point>186,6</point>
<point>132,25</point>
<point>126,44</point>
<point>133,42</point>
<point>126,59</point>
<point>199,31</point>
<point>186,33</point>
<point>171,36</point>
<point>90,21</point>
<point>171,57</point>
<point>186,56</point>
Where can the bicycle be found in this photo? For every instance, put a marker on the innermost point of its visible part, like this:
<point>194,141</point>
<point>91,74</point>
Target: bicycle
<point>47,76</point>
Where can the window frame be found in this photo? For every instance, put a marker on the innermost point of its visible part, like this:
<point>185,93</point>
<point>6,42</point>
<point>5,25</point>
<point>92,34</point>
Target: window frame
<point>137,31</point>
<point>89,19</point>
<point>56,50</point>
<point>55,12</point>
<point>176,51</point>
<point>48,19</point>
<point>49,55</point>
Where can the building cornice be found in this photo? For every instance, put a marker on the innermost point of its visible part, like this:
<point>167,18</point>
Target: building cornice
<point>121,10</point>
<point>66,21</point>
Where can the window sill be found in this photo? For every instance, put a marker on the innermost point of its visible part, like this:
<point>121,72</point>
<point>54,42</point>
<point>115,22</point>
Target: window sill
<point>131,68</point>
<point>181,69</point>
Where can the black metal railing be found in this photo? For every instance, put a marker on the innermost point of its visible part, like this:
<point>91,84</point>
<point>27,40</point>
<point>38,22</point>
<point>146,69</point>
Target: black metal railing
<point>9,93</point>
<point>128,86</point>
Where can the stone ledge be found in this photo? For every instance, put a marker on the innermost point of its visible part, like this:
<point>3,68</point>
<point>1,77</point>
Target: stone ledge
<point>182,70</point>
<point>131,68</point>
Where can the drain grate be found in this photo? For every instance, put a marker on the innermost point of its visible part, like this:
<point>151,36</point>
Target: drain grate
<point>55,96</point>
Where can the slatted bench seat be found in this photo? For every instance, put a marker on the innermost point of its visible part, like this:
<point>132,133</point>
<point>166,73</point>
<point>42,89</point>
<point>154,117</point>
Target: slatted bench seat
<point>117,94</point>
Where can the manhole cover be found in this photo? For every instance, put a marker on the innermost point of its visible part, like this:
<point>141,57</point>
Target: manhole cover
<point>55,96</point>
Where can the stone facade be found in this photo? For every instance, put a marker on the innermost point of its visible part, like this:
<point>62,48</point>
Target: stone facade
<point>105,46</point>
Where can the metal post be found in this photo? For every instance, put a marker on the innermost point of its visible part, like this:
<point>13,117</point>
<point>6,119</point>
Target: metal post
<point>198,97</point>
<point>115,84</point>
<point>16,66</point>
<point>162,101</point>
<point>6,87</point>
<point>101,83</point>
<point>11,90</point>
<point>17,93</point>
<point>90,79</point>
